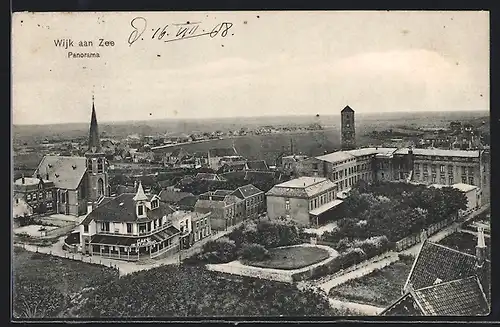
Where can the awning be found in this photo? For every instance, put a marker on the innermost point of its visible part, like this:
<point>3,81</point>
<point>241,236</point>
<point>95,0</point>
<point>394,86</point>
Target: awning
<point>112,240</point>
<point>325,207</point>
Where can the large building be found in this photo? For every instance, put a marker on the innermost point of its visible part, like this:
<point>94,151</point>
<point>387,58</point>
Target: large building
<point>348,130</point>
<point>132,226</point>
<point>33,195</point>
<point>302,200</point>
<point>77,181</point>
<point>423,166</point>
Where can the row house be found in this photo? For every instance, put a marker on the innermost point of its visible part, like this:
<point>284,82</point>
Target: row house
<point>226,209</point>
<point>38,194</point>
<point>305,200</point>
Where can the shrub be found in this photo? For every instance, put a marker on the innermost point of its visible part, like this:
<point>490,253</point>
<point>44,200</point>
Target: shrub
<point>406,257</point>
<point>219,251</point>
<point>253,252</point>
<point>343,244</point>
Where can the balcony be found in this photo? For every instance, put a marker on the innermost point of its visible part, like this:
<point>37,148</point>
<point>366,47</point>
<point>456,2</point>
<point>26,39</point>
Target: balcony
<point>147,233</point>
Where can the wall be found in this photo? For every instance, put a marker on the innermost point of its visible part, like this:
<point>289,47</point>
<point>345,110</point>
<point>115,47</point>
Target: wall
<point>299,209</point>
<point>472,169</point>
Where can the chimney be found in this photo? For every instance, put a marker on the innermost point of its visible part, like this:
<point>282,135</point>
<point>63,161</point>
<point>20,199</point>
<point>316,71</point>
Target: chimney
<point>22,179</point>
<point>47,176</point>
<point>480,248</point>
<point>89,207</point>
<point>423,235</point>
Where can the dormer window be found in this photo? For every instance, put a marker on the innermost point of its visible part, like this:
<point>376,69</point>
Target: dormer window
<point>140,210</point>
<point>154,204</point>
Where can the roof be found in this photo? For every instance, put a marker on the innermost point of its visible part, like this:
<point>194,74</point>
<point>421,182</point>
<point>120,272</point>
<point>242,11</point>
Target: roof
<point>188,202</point>
<point>257,165</point>
<point>222,192</point>
<point>140,196</point>
<point>211,199</point>
<point>347,109</point>
<point>94,141</point>
<point>208,176</point>
<point>222,152</point>
<point>169,196</point>
<point>464,187</point>
<point>435,261</point>
<point>336,157</point>
<point>249,175</point>
<point>122,209</point>
<point>303,187</point>
<point>246,191</point>
<point>362,152</point>
<point>404,306</point>
<point>177,152</point>
<point>463,297</point>
<point>441,152</point>
<point>325,207</point>
<point>30,181</point>
<point>65,172</point>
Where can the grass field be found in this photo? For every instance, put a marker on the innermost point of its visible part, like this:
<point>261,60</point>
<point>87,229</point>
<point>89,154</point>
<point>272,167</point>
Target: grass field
<point>379,288</point>
<point>292,258</point>
<point>43,285</point>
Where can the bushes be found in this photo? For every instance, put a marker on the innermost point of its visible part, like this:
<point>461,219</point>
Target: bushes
<point>253,252</point>
<point>269,234</point>
<point>219,251</point>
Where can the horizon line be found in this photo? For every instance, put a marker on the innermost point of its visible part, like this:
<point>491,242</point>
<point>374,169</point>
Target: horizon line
<point>262,116</point>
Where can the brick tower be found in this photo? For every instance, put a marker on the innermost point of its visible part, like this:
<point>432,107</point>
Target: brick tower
<point>348,131</point>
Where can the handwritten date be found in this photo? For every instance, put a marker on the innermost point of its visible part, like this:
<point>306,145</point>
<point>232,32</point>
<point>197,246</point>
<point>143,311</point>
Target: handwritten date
<point>174,32</point>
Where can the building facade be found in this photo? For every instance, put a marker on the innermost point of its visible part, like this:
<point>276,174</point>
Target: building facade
<point>200,226</point>
<point>348,130</point>
<point>38,194</point>
<point>423,166</point>
<point>302,200</point>
<point>77,180</point>
<point>254,200</point>
<point>226,209</point>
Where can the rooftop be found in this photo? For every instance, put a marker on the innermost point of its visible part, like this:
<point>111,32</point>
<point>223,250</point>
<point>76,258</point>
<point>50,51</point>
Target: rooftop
<point>335,157</point>
<point>303,187</point>
<point>302,182</point>
<point>464,187</point>
<point>246,191</point>
<point>441,152</point>
<point>65,172</point>
<point>30,181</point>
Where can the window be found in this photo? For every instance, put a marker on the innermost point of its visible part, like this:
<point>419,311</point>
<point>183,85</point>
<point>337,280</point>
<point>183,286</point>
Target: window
<point>464,170</point>
<point>425,167</point>
<point>28,197</point>
<point>100,165</point>
<point>471,180</point>
<point>63,197</point>
<point>441,168</point>
<point>287,204</point>
<point>450,169</point>
<point>464,179</point>
<point>450,180</point>
<point>471,170</point>
<point>433,168</point>
<point>417,166</point>
<point>149,226</point>
<point>315,166</point>
<point>105,226</point>
<point>40,195</point>
<point>154,204</point>
<point>140,210</point>
<point>89,165</point>
<point>129,228</point>
<point>433,178</point>
<point>382,175</point>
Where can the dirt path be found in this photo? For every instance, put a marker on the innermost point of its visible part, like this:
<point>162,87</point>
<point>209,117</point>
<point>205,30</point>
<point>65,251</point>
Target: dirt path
<point>356,308</point>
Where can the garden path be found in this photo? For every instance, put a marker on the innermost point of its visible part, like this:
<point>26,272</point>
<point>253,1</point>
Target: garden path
<point>361,309</point>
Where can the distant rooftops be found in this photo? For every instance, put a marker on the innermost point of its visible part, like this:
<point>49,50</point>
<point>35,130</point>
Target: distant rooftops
<point>303,187</point>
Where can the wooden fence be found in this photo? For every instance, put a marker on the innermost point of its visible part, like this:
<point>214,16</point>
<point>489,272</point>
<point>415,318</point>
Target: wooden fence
<point>416,238</point>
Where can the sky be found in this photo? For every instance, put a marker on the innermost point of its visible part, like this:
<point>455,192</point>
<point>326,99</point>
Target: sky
<point>268,63</point>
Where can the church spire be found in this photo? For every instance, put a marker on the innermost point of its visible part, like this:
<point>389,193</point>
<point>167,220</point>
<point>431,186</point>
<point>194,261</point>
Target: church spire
<point>94,141</point>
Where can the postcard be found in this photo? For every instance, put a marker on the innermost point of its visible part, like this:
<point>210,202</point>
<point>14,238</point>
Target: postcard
<point>250,165</point>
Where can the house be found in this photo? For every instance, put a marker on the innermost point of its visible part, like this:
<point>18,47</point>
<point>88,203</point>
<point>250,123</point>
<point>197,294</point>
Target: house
<point>20,208</point>
<point>446,282</point>
<point>208,177</point>
<point>304,200</point>
<point>215,156</point>
<point>200,226</point>
<point>257,165</point>
<point>175,156</point>
<point>35,193</point>
<point>289,163</point>
<point>182,221</point>
<point>130,227</point>
<point>226,209</point>
<point>253,198</point>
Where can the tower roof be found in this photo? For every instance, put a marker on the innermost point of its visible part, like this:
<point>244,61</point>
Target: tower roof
<point>94,141</point>
<point>347,109</point>
<point>140,195</point>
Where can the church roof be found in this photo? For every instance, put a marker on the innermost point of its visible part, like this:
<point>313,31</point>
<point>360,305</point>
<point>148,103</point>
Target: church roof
<point>347,109</point>
<point>65,172</point>
<point>94,141</point>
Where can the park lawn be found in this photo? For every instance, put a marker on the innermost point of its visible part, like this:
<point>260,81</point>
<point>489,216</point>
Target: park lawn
<point>292,258</point>
<point>379,288</point>
<point>53,278</point>
<point>465,242</point>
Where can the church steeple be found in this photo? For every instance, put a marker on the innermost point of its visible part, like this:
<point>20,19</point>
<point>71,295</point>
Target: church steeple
<point>94,141</point>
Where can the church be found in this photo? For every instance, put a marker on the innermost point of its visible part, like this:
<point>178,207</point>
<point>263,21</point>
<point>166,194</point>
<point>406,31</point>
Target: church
<point>79,182</point>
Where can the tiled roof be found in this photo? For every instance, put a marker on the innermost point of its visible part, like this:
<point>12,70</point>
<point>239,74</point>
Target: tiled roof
<point>404,306</point>
<point>463,297</point>
<point>234,166</point>
<point>65,172</point>
<point>336,157</point>
<point>222,152</point>
<point>246,191</point>
<point>437,261</point>
<point>122,209</point>
<point>173,196</point>
<point>257,165</point>
<point>188,202</point>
